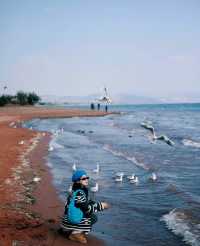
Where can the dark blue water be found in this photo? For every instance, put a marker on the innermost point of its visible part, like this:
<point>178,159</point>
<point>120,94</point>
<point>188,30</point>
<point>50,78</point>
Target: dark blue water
<point>163,212</point>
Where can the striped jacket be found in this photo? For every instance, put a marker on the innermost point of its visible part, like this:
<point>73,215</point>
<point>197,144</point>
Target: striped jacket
<point>88,207</point>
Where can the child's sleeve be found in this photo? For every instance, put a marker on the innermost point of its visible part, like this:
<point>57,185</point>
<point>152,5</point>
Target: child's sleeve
<point>88,207</point>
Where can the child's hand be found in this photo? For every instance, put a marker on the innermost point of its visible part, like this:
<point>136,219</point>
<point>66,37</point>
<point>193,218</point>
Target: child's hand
<point>105,205</point>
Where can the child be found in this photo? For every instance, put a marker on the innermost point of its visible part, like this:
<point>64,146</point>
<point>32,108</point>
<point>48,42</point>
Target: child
<point>87,206</point>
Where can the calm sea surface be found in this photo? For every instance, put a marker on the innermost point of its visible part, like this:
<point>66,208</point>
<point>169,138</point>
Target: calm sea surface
<point>163,212</point>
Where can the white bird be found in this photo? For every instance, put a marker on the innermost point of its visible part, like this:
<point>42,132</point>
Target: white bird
<point>148,127</point>
<point>153,177</point>
<point>74,167</point>
<point>119,174</point>
<point>70,189</point>
<point>36,179</point>
<point>135,180</point>
<point>131,177</point>
<point>95,188</point>
<point>50,148</point>
<point>21,142</point>
<point>119,178</point>
<point>97,169</point>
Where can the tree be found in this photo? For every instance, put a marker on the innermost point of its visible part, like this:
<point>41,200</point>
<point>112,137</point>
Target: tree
<point>33,98</point>
<point>22,98</point>
<point>3,100</point>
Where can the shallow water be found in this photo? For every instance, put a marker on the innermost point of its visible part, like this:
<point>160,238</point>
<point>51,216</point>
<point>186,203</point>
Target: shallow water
<point>163,212</point>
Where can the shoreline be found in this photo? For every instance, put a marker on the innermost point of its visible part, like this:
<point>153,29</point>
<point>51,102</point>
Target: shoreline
<point>30,208</point>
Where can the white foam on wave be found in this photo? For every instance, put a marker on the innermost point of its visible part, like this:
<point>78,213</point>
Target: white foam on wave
<point>182,225</point>
<point>189,142</point>
<point>109,148</point>
<point>56,145</point>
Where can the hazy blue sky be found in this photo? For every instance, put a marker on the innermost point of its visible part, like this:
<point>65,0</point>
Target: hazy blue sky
<point>63,47</point>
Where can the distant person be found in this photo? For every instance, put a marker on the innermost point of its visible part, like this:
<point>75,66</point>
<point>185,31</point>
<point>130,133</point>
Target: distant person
<point>79,197</point>
<point>98,106</point>
<point>92,107</point>
<point>106,108</point>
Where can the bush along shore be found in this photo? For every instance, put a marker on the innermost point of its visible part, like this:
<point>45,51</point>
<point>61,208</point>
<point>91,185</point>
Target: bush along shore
<point>21,98</point>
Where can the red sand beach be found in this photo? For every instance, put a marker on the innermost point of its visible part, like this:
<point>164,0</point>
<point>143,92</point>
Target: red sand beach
<point>30,209</point>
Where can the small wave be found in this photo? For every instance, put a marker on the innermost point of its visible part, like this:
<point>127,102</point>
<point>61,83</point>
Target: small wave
<point>189,142</point>
<point>109,148</point>
<point>182,223</point>
<point>56,145</point>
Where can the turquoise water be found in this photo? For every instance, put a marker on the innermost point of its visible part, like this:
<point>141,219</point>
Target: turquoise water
<point>163,212</point>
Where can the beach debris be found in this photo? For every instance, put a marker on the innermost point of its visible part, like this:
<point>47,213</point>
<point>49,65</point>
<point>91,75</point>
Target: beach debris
<point>12,124</point>
<point>97,169</point>
<point>8,181</point>
<point>36,179</point>
<point>95,188</point>
<point>21,142</point>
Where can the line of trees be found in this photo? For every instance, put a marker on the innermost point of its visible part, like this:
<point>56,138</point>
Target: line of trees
<point>21,98</point>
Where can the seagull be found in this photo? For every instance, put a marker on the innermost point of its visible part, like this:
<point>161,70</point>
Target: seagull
<point>119,174</point>
<point>70,189</point>
<point>135,180</point>
<point>119,178</point>
<point>153,177</point>
<point>148,127</point>
<point>165,139</point>
<point>131,177</point>
<point>95,188</point>
<point>50,148</point>
<point>74,167</point>
<point>96,170</point>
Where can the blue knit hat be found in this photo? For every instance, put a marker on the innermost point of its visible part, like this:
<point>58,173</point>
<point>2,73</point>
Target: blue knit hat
<point>77,175</point>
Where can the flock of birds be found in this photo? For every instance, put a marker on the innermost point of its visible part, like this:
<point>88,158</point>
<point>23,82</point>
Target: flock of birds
<point>163,138</point>
<point>133,179</point>
<point>118,177</point>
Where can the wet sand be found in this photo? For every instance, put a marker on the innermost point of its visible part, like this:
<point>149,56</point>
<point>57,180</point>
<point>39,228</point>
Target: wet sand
<point>30,209</point>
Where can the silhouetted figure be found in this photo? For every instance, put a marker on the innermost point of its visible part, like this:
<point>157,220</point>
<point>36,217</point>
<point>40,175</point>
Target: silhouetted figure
<point>106,108</point>
<point>92,107</point>
<point>98,106</point>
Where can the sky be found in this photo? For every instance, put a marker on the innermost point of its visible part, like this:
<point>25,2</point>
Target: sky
<point>75,48</point>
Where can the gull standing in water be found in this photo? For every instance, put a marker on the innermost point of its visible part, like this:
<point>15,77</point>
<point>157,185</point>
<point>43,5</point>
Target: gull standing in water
<point>95,188</point>
<point>135,180</point>
<point>153,177</point>
<point>74,167</point>
<point>119,178</point>
<point>97,169</point>
<point>131,177</point>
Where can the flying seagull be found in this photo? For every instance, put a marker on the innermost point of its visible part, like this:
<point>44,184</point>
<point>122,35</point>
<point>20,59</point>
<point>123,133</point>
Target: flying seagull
<point>165,139</point>
<point>148,127</point>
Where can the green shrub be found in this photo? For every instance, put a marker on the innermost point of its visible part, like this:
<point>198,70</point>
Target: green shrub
<point>22,98</point>
<point>33,98</point>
